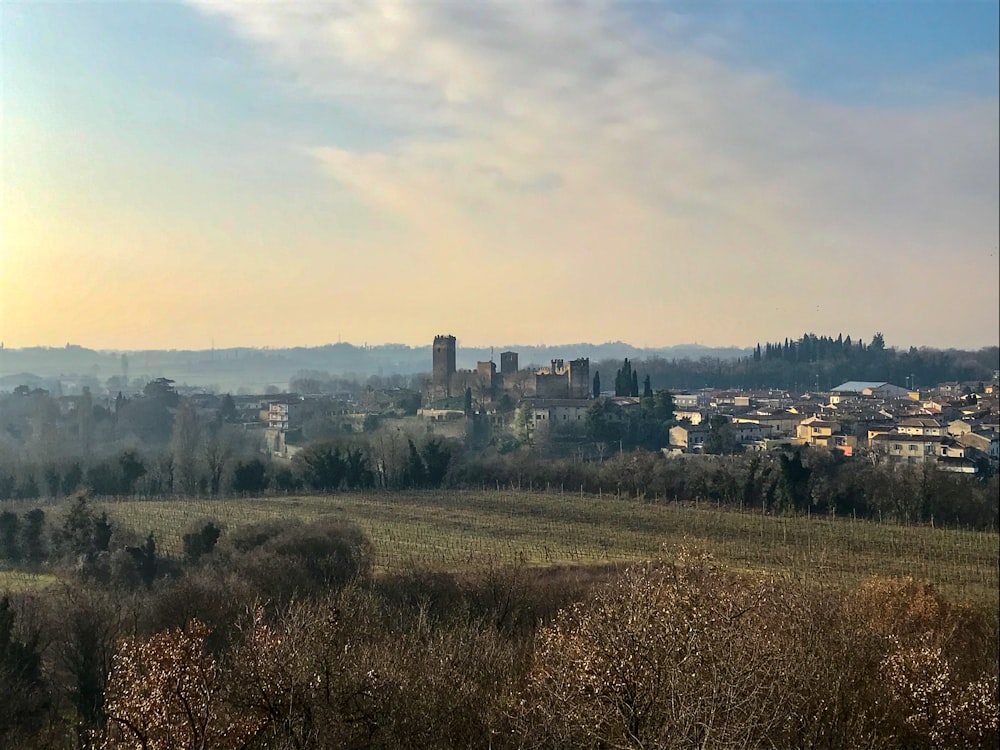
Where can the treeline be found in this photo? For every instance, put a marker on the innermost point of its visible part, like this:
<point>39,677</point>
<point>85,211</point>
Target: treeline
<point>279,635</point>
<point>814,362</point>
<point>217,469</point>
<point>801,481</point>
<point>156,442</point>
<point>160,444</point>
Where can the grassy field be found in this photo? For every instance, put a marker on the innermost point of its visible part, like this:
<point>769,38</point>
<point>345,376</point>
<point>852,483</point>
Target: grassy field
<point>455,529</point>
<point>18,580</point>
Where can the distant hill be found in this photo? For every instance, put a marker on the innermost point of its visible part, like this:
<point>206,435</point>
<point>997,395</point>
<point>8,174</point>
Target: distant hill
<point>254,369</point>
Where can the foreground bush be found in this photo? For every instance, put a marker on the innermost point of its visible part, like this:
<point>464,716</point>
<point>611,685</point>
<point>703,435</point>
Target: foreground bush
<point>667,656</point>
<point>683,655</point>
<point>674,653</point>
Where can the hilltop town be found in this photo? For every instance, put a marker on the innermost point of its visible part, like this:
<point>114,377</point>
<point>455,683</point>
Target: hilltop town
<point>152,437</point>
<point>562,408</point>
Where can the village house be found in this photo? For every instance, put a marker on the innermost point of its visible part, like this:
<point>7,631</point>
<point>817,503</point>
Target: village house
<point>920,426</point>
<point>871,389</point>
<point>691,416</point>
<point>689,438</point>
<point>821,433</point>
<point>948,454</point>
<point>780,422</point>
<point>751,433</point>
<point>685,401</point>
<point>986,441</point>
<point>560,415</point>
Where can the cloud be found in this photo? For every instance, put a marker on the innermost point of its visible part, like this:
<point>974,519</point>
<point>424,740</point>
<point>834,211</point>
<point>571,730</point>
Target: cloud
<point>553,130</point>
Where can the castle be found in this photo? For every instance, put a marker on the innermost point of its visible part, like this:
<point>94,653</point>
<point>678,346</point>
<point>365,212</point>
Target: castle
<point>559,380</point>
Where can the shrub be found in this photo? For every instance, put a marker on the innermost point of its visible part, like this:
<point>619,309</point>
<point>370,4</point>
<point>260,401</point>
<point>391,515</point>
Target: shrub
<point>670,655</point>
<point>287,558</point>
<point>24,696</point>
<point>201,541</point>
<point>333,673</point>
<point>167,693</point>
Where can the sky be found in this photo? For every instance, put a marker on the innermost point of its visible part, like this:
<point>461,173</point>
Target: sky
<point>245,173</point>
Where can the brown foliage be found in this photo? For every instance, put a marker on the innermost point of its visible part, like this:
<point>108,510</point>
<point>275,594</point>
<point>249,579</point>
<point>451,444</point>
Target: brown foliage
<point>932,662</point>
<point>294,676</point>
<point>671,655</point>
<point>167,693</point>
<point>683,655</point>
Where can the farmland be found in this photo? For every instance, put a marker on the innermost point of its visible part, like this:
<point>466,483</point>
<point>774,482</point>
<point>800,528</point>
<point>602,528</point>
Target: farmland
<point>450,530</point>
<point>475,599</point>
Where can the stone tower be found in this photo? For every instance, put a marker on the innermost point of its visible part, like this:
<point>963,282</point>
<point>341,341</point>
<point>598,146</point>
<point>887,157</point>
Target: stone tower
<point>444,362</point>
<point>508,363</point>
<point>579,378</point>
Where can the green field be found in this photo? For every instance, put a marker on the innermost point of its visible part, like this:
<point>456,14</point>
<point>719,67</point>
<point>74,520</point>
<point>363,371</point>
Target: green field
<point>454,529</point>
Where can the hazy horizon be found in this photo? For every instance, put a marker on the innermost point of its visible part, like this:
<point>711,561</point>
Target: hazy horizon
<point>480,346</point>
<point>214,173</point>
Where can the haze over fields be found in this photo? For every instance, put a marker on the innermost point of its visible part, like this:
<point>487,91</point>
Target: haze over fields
<point>244,368</point>
<point>218,174</point>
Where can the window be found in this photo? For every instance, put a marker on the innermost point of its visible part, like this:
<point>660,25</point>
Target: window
<point>913,448</point>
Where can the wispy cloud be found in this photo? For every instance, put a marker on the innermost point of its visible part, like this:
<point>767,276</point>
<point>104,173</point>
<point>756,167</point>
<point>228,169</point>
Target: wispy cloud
<point>560,131</point>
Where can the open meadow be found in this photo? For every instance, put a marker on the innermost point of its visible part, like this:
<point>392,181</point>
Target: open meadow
<point>453,529</point>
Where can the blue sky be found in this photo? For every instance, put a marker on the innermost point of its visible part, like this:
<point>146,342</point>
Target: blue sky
<point>402,162</point>
<point>856,51</point>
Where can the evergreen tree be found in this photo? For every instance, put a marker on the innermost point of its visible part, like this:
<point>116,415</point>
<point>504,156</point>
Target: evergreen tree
<point>227,411</point>
<point>322,466</point>
<point>72,478</point>
<point>83,532</point>
<point>415,474</point>
<point>102,533</point>
<point>250,476</point>
<point>624,380</point>
<point>131,469</point>
<point>663,406</point>
<point>33,536</point>
<point>147,565</point>
<point>647,388</point>
<point>10,549</point>
<point>597,384</point>
<point>634,389</point>
<point>721,438</point>
<point>436,456</point>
